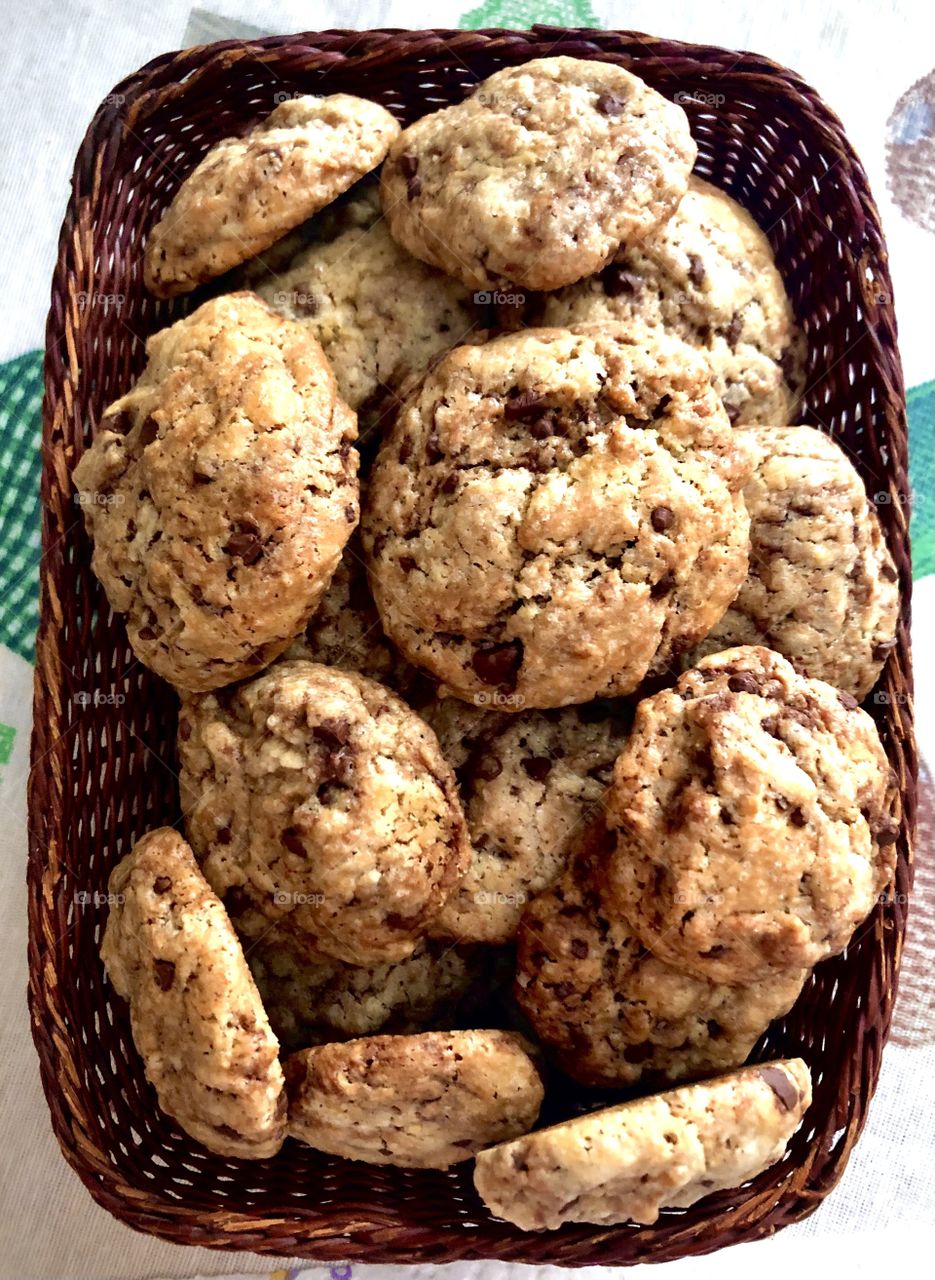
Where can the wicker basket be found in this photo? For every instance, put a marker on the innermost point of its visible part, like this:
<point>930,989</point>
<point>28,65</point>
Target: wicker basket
<point>103,746</point>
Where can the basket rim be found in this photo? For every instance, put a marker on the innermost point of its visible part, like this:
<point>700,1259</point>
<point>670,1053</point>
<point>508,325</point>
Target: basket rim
<point>315,1235</point>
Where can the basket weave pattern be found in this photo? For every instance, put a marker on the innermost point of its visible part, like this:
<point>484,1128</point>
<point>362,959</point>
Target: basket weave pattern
<point>103,746</point>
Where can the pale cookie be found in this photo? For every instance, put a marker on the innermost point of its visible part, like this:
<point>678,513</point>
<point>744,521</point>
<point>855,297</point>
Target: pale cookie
<point>555,514</point>
<point>248,192</point>
<point>707,275</point>
<point>220,492</point>
<point>822,588</point>
<point>751,808</point>
<point>419,1102</point>
<point>539,176</point>
<point>529,783</point>
<point>380,314</point>
<point>312,1001</point>
<point>329,803</point>
<point>608,1010</point>
<point>197,1019</point>
<point>626,1163</point>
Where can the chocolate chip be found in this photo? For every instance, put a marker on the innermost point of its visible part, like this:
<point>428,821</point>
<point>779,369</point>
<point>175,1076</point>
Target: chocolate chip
<point>164,973</point>
<point>638,1052</point>
<point>537,767</point>
<point>734,330</point>
<point>579,948</point>
<point>771,726</point>
<point>541,429</point>
<point>413,188</point>
<point>715,1030</point>
<point>798,818</point>
<point>236,901</point>
<point>782,804</point>
<point>663,586</point>
<point>488,767</point>
<point>291,839</point>
<point>244,542</point>
<point>227,1132</point>
<point>450,483</point>
<point>162,884</point>
<point>408,164</point>
<point>619,281</point>
<point>433,450</point>
<point>887,834</point>
<point>120,423</point>
<point>305,304</point>
<point>149,431</point>
<point>881,650</point>
<point>224,835</point>
<point>521,404</point>
<point>889,573</point>
<point>185,729</point>
<point>201,477</point>
<point>713,952</point>
<point>662,518</point>
<point>350,514</point>
<point>405,449</point>
<point>787,1095</point>
<point>848,701</point>
<point>333,733</point>
<point>610,104</point>
<point>743,682</point>
<point>696,271</point>
<point>733,412</point>
<point>499,665</point>
<point>146,633</point>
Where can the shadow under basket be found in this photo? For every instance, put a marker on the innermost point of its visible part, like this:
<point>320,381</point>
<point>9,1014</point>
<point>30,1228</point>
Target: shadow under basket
<point>103,755</point>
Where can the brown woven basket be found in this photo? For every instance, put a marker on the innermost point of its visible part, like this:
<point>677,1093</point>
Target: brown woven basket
<point>103,746</point>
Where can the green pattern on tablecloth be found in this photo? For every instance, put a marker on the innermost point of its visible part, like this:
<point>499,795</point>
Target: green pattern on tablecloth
<point>20,435</point>
<point>921,403</point>
<point>520,14</point>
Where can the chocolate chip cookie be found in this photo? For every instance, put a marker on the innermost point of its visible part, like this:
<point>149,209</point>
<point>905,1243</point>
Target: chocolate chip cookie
<point>220,491</point>
<point>420,1102</point>
<point>197,1019</point>
<point>316,797</point>
<point>539,176</point>
<point>528,784</point>
<point>556,513</point>
<point>707,275</point>
<point>626,1163</point>
<point>822,588</point>
<point>607,1009</point>
<point>249,191</point>
<point>752,813</point>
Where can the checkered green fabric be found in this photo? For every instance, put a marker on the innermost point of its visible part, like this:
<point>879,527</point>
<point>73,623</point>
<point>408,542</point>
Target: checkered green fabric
<point>20,435</point>
<point>519,14</point>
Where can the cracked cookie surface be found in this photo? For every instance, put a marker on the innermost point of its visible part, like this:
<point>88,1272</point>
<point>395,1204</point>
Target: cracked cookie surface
<point>707,275</point>
<point>317,802</point>
<point>822,588</point>
<point>625,1163</point>
<point>220,491</point>
<point>197,1018</point>
<point>539,176</point>
<point>752,813</point>
<point>557,492</point>
<point>609,1011</point>
<point>247,192</point>
<point>421,1102</point>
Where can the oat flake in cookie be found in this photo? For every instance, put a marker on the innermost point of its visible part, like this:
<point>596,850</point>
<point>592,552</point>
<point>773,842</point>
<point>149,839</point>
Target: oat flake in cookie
<point>752,813</point>
<point>316,798</point>
<point>197,1018</point>
<point>420,1102</point>
<point>707,275</point>
<point>248,192</point>
<point>822,587</point>
<point>608,1010</point>
<point>557,513</point>
<point>220,491</point>
<point>625,1163</point>
<point>539,176</point>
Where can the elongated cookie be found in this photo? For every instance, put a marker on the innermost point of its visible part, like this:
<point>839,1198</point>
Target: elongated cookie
<point>196,1015</point>
<point>752,813</point>
<point>556,513</point>
<point>247,192</point>
<point>668,1151</point>
<point>607,1009</point>
<point>328,803</point>
<point>220,491</point>
<point>539,175</point>
<point>822,587</point>
<point>708,275</point>
<point>421,1102</point>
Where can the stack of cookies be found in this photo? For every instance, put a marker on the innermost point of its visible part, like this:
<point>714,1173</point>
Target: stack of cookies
<point>519,641</point>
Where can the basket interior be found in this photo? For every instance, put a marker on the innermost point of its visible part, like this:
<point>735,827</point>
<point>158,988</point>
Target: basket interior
<point>105,748</point>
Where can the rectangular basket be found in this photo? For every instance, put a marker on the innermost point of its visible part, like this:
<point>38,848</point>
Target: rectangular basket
<point>103,747</point>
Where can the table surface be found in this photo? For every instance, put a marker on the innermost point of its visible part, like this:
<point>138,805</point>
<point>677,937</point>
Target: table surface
<point>872,63</point>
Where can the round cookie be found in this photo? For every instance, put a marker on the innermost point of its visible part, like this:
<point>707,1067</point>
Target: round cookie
<point>419,1102</point>
<point>539,176</point>
<point>220,491</point>
<point>528,783</point>
<point>249,191</point>
<point>380,314</point>
<point>197,1018</point>
<point>557,492</point>
<point>707,275</point>
<point>608,1010</point>
<point>822,588</point>
<point>323,800</point>
<point>751,810</point>
<point>312,1001</point>
<point>625,1163</point>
